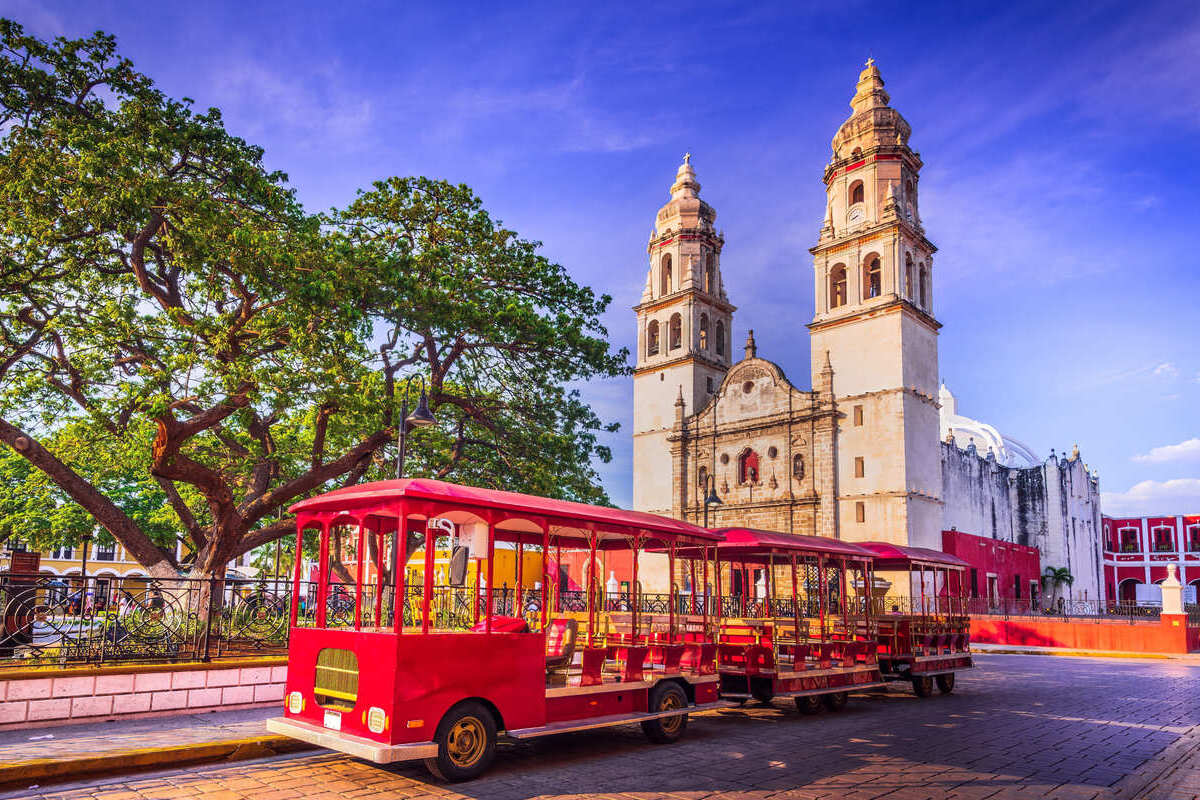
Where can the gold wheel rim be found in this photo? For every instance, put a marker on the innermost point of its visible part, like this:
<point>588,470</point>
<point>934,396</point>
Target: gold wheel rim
<point>466,742</point>
<point>670,703</point>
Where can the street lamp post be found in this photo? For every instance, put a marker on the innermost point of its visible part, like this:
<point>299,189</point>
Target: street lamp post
<point>85,538</point>
<point>422,417</point>
<point>710,497</point>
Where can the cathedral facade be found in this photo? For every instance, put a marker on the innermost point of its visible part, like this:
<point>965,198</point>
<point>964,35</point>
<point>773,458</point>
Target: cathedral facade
<point>859,456</point>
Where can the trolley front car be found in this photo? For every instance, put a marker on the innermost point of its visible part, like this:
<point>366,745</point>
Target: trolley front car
<point>436,672</point>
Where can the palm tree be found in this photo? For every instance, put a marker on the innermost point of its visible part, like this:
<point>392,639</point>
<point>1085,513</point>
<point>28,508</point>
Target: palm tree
<point>1055,578</point>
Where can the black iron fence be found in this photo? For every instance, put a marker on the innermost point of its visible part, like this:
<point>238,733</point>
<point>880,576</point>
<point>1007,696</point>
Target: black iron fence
<point>49,620</point>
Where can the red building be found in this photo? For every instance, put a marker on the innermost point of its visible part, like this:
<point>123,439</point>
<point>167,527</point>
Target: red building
<point>999,570</point>
<point>1137,551</point>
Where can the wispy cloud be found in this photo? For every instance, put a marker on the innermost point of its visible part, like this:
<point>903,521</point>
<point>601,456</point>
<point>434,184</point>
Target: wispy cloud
<point>1187,450</point>
<point>1176,496</point>
<point>1166,370</point>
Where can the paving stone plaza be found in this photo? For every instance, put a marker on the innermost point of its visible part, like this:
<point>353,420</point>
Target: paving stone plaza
<point>1016,726</point>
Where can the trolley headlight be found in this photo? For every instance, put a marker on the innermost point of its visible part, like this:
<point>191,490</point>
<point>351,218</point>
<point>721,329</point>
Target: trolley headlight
<point>295,702</point>
<point>376,720</point>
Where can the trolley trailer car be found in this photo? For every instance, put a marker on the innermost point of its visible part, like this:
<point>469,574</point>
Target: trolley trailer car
<point>409,679</point>
<point>925,635</point>
<point>794,619</point>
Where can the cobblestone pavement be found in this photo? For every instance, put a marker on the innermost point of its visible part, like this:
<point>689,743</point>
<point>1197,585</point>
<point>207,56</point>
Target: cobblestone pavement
<point>1017,726</point>
<point>107,737</point>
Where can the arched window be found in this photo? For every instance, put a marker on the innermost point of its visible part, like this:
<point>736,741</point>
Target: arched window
<point>710,274</point>
<point>652,338</point>
<point>720,338</point>
<point>666,274</point>
<point>702,479</point>
<point>856,152</point>
<point>908,276</point>
<point>872,278</point>
<point>857,193</point>
<point>704,331</point>
<point>837,286</point>
<point>798,467</point>
<point>748,467</point>
<point>676,332</point>
<point>924,286</point>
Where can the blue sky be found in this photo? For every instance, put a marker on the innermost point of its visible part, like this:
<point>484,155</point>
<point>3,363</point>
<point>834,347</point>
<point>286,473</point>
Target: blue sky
<point>1061,184</point>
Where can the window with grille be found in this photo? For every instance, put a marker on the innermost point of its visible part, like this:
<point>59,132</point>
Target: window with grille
<point>336,682</point>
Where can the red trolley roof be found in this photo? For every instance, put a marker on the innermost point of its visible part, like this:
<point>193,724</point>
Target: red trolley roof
<point>753,545</point>
<point>894,556</point>
<point>382,497</point>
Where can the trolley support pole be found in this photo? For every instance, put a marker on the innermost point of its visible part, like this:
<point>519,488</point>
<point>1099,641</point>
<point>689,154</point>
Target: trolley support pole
<point>519,600</point>
<point>430,554</point>
<point>671,605</point>
<point>822,590</point>
<point>358,577</point>
<point>545,574</point>
<point>633,590</point>
<point>591,593</point>
<point>378,572</point>
<point>491,571</point>
<point>704,599</point>
<point>769,583</point>
<point>298,567</point>
<point>322,573</point>
<point>795,603</point>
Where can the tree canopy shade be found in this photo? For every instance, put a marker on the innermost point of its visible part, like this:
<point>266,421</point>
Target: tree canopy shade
<point>177,332</point>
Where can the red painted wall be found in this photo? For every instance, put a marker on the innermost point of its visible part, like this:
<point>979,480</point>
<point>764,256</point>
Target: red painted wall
<point>1003,559</point>
<point>1171,635</point>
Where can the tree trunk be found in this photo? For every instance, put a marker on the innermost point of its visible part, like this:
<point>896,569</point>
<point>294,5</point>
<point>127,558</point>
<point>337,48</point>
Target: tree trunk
<point>103,510</point>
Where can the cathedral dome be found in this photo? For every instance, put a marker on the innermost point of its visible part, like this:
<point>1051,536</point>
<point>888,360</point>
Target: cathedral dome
<point>965,431</point>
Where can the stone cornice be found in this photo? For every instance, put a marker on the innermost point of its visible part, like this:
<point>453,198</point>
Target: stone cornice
<point>683,294</point>
<point>896,305</point>
<point>684,359</point>
<point>911,495</point>
<point>847,240</point>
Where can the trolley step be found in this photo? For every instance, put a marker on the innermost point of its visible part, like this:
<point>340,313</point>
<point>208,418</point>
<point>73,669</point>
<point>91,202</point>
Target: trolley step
<point>572,725</point>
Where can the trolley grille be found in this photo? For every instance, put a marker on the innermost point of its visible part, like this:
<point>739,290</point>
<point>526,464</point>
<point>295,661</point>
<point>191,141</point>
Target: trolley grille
<point>336,682</point>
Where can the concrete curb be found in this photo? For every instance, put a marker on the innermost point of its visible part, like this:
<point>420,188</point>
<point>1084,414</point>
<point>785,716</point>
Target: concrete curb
<point>976,649</point>
<point>56,770</point>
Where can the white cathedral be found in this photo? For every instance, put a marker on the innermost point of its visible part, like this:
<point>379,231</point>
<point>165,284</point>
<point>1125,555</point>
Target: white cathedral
<point>876,448</point>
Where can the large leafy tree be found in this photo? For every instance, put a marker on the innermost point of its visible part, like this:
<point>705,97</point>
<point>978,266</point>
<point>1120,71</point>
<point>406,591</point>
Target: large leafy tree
<point>174,325</point>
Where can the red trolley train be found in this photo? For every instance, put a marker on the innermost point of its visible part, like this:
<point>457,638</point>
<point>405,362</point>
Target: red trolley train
<point>391,669</point>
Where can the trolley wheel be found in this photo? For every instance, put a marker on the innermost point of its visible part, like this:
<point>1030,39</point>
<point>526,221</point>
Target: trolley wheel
<point>809,704</point>
<point>762,692</point>
<point>835,701</point>
<point>466,742</point>
<point>945,683</point>
<point>666,696</point>
<point>922,685</point>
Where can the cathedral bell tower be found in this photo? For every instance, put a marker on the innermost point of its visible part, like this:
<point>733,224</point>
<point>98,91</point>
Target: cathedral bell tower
<point>683,342</point>
<point>874,323</point>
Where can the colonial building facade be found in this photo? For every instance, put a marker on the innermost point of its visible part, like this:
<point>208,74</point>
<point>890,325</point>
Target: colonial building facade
<point>862,455</point>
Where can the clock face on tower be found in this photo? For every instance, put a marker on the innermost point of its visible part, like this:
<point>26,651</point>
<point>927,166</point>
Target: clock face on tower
<point>856,215</point>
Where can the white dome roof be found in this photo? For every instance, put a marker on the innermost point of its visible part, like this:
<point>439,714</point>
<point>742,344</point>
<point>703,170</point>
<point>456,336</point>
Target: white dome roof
<point>1008,451</point>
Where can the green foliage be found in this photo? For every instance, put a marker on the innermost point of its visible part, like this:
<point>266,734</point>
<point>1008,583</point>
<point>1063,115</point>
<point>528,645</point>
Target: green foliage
<point>189,351</point>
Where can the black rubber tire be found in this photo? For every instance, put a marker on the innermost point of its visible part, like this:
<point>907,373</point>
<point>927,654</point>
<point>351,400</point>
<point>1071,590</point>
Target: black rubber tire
<point>664,730</point>
<point>922,685</point>
<point>762,691</point>
<point>810,704</point>
<point>468,719</point>
<point>945,683</point>
<point>835,701</point>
